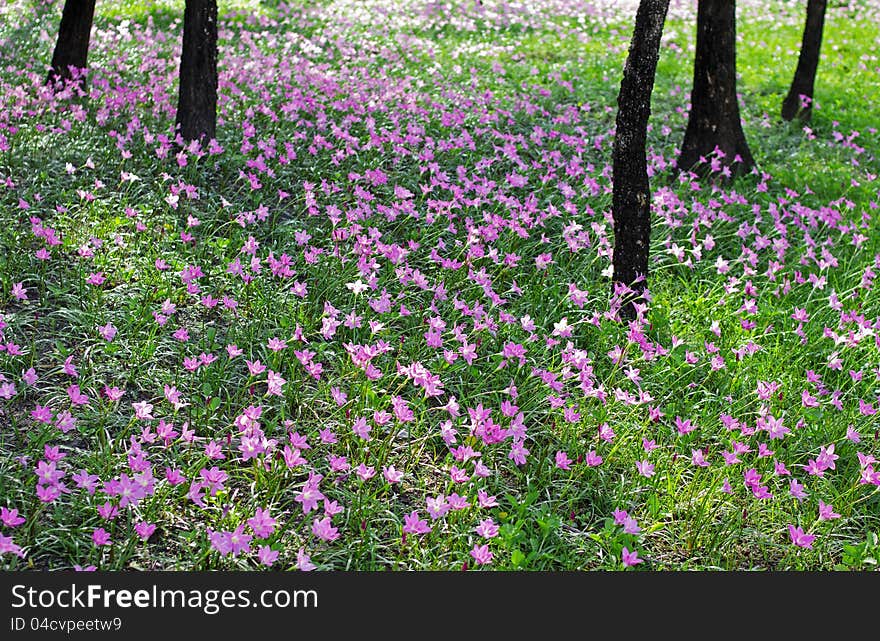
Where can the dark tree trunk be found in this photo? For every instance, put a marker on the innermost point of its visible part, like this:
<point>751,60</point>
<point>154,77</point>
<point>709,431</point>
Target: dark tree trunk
<point>714,118</point>
<point>72,46</point>
<point>197,100</point>
<point>631,199</point>
<point>808,62</point>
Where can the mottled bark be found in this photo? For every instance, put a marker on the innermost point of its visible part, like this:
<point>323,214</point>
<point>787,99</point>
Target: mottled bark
<point>631,198</point>
<point>714,120</point>
<point>197,98</point>
<point>808,62</point>
<point>72,46</point>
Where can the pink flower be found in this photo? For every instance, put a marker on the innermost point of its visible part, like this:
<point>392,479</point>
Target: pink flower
<point>684,426</point>
<point>402,411</point>
<point>267,556</point>
<point>799,538</point>
<point>827,457</point>
<point>392,475</point>
<point>262,524</point>
<point>807,400</point>
<point>487,529</point>
<point>412,524</point>
<point>332,508</point>
<point>304,562</point>
<point>631,526</point>
<point>338,463</point>
<point>630,558</point>
<point>76,396</point>
<point>796,490</point>
<point>309,497</point>
<point>437,506</point>
<point>18,291</point>
<point>145,530</point>
<point>220,541</point>
<point>645,468</point>
<point>143,410</point>
<point>30,376</point>
<point>482,554</point>
<point>606,432</point>
<point>255,367</point>
<point>516,180</point>
<point>69,368</point>
<point>172,395</point>
<point>518,453</point>
<point>365,473</point>
<point>8,546</point>
<point>48,493</point>
<point>826,512</point>
<point>41,414</point>
<point>239,541</point>
<point>543,260</point>
<point>324,530</point>
<point>96,278</point>
<point>562,461</point>
<point>274,383</point>
<point>10,517</point>
<point>100,537</point>
<point>459,475</point>
<point>113,393</point>
<point>457,502</point>
<point>107,332</point>
<point>361,428</point>
<point>779,469</point>
<point>7,390</point>
<point>87,481</point>
<point>699,459</point>
<point>276,344</point>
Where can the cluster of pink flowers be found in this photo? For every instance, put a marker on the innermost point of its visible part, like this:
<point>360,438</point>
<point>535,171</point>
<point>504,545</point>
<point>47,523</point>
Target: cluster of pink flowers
<point>379,350</point>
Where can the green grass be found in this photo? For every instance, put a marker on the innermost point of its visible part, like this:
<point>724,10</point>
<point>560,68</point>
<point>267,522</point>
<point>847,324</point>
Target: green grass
<point>308,69</point>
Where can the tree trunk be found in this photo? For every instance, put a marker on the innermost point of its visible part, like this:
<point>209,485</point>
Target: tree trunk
<point>631,198</point>
<point>197,99</point>
<point>808,62</point>
<point>714,120</point>
<point>72,46</point>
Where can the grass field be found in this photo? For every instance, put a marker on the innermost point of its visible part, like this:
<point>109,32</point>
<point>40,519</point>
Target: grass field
<point>369,327</point>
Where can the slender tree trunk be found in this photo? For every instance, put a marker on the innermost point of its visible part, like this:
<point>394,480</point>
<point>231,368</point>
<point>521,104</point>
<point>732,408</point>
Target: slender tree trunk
<point>72,46</point>
<point>197,100</point>
<point>714,120</point>
<point>631,199</point>
<point>808,62</point>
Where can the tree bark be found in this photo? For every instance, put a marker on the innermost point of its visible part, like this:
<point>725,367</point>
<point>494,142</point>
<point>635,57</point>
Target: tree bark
<point>72,46</point>
<point>197,98</point>
<point>714,120</point>
<point>808,62</point>
<point>631,197</point>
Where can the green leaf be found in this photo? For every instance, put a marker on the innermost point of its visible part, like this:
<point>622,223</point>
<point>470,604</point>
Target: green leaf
<point>517,557</point>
